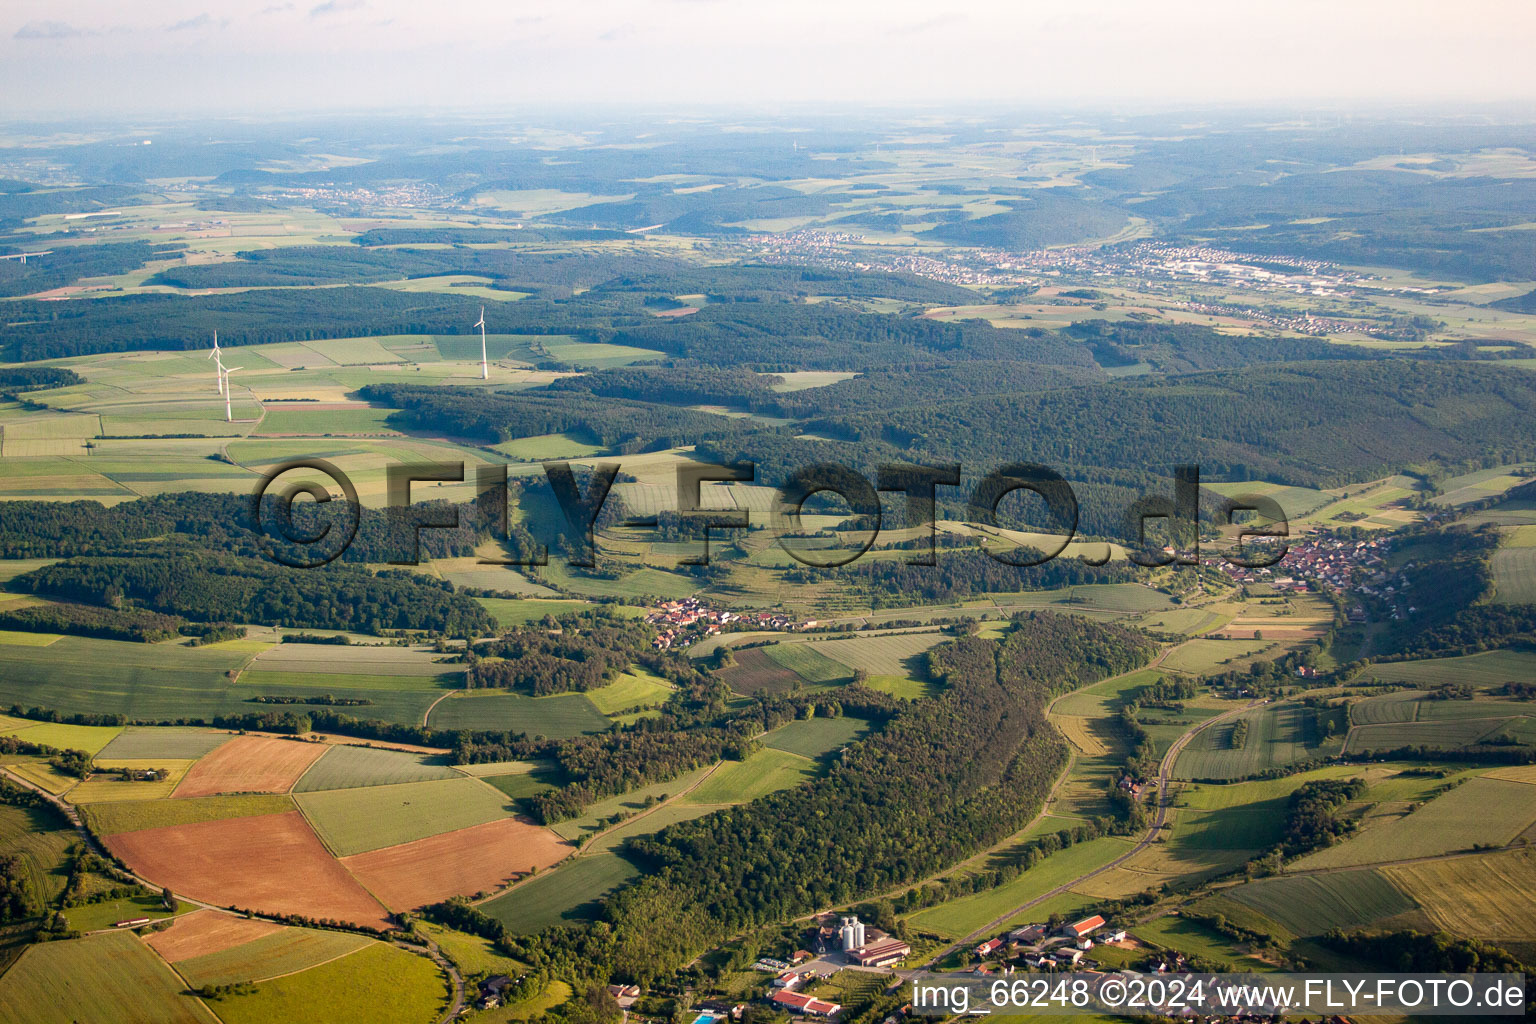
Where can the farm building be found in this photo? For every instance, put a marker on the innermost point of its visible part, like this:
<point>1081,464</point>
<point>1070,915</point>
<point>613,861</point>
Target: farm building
<point>881,953</point>
<point>797,1003</point>
<point>1028,933</point>
<point>1087,926</point>
<point>989,947</point>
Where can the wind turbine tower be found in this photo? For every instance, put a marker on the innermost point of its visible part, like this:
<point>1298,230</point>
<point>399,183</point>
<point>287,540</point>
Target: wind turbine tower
<point>218,362</point>
<point>229,415</point>
<point>485,367</point>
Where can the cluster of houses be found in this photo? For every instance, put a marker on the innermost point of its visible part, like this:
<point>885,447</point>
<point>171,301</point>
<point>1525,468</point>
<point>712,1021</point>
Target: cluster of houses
<point>1344,565</point>
<point>689,620</point>
<point>1042,949</point>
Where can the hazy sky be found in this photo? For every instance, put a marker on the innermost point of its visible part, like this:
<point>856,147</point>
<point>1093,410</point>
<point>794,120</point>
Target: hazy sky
<point>155,56</point>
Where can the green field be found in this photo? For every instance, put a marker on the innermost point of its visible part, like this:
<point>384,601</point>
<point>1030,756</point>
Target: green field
<point>766,771</point>
<point>161,682</point>
<point>901,655</point>
<point>569,893</point>
<point>134,815</point>
<point>352,821</point>
<point>89,738</point>
<point>813,737</point>
<point>1195,939</point>
<point>522,784</point>
<point>1489,811</point>
<point>284,952</point>
<point>349,767</point>
<point>1278,734</point>
<point>95,916</point>
<point>347,991</point>
<point>1488,669</point>
<point>807,662</point>
<point>1402,706</point>
<point>138,742</point>
<point>1311,904</point>
<point>1444,735</point>
<point>635,688</point>
<point>959,917</point>
<point>1514,575</point>
<point>40,837</point>
<point>560,716</point>
<point>474,956</point>
<point>548,446</point>
<point>512,612</point>
<point>103,979</point>
<point>296,419</point>
<point>600,814</point>
<point>1206,657</point>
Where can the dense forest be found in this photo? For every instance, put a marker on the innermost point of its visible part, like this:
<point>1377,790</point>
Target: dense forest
<point>214,522</point>
<point>226,588</point>
<point>960,574</point>
<point>941,780</point>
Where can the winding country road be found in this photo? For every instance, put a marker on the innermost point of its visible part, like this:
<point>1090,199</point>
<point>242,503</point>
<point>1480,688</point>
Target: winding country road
<point>1164,801</point>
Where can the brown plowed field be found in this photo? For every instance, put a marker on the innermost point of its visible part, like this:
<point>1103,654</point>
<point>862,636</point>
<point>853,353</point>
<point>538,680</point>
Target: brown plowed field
<point>207,931</point>
<point>463,862</point>
<point>272,864</point>
<point>250,764</point>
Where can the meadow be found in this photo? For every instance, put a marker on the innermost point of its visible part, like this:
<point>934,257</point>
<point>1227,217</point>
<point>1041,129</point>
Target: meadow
<point>959,917</point>
<point>345,766</point>
<point>111,977</point>
<point>1311,904</point>
<point>472,954</point>
<point>900,655</point>
<point>137,743</point>
<point>766,771</point>
<point>346,991</point>
<point>136,815</point>
<point>96,916</point>
<point>635,688</point>
<point>1514,575</point>
<point>1482,810</point>
<point>89,738</point>
<point>809,663</point>
<point>567,894</point>
<point>1278,734</point>
<point>813,737</point>
<point>1195,939</point>
<point>1487,669</point>
<point>352,821</point>
<point>40,837</point>
<point>601,814</point>
<point>269,956</point>
<point>559,716</point>
<point>755,672</point>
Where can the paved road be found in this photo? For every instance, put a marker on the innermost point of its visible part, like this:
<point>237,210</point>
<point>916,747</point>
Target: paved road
<point>1164,801</point>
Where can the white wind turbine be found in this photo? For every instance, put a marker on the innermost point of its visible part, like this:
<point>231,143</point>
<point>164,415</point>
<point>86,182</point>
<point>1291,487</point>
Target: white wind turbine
<point>229,415</point>
<point>218,362</point>
<point>485,368</point>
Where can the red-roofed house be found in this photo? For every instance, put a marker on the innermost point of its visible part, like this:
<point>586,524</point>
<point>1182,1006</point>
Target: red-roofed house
<point>1087,926</point>
<point>797,1003</point>
<point>989,947</point>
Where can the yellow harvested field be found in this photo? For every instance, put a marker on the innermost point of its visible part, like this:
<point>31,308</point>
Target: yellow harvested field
<point>207,931</point>
<point>102,788</point>
<point>1491,897</point>
<point>1076,729</point>
<point>1515,773</point>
